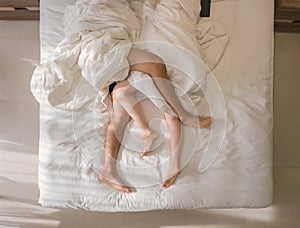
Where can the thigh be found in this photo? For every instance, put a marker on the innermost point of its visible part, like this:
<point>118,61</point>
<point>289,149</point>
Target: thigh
<point>119,116</point>
<point>148,63</point>
<point>121,84</point>
<point>122,90</point>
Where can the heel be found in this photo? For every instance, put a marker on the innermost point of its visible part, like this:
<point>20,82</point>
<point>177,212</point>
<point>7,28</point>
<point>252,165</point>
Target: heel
<point>148,144</point>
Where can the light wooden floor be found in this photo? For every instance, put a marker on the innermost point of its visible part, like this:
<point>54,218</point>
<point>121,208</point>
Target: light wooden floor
<point>19,46</point>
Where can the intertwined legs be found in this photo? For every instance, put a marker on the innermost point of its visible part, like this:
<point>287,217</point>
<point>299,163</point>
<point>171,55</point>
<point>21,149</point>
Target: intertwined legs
<point>154,66</point>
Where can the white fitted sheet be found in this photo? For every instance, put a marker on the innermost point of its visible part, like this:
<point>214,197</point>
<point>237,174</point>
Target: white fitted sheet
<point>241,174</point>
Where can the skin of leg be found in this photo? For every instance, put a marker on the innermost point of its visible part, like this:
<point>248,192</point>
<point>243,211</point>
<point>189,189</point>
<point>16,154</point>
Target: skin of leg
<point>174,126</point>
<point>115,129</point>
<point>125,94</point>
<point>154,66</point>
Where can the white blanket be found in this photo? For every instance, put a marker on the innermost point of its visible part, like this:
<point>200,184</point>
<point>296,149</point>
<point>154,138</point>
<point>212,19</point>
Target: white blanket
<point>71,144</point>
<point>98,38</point>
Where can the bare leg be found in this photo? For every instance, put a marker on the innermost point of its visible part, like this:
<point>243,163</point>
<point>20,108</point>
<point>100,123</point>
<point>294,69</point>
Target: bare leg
<point>119,119</point>
<point>125,94</point>
<point>154,66</point>
<point>174,126</point>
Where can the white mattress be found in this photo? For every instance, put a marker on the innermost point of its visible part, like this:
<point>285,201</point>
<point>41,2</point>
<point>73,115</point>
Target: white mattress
<point>240,175</point>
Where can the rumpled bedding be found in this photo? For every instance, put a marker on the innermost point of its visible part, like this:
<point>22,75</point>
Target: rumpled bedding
<point>98,38</point>
<point>92,30</point>
<point>72,85</point>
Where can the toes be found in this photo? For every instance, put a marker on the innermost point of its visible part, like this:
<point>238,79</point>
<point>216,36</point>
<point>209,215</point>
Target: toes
<point>169,182</point>
<point>114,184</point>
<point>125,190</point>
<point>205,122</point>
<point>100,177</point>
<point>121,188</point>
<point>166,184</point>
<point>208,119</point>
<point>144,153</point>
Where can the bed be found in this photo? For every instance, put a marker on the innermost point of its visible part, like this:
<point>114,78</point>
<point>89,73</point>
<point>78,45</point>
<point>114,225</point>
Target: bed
<point>237,172</point>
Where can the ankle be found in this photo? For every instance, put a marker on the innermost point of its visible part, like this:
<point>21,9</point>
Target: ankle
<point>147,132</point>
<point>108,169</point>
<point>184,116</point>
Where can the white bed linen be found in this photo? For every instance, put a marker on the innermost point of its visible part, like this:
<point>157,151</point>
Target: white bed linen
<point>241,175</point>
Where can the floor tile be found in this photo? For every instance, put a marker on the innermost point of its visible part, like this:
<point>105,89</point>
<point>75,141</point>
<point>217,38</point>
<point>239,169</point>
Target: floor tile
<point>175,226</point>
<point>19,127</point>
<point>286,100</point>
<point>17,57</point>
<point>216,217</point>
<point>20,29</point>
<point>271,226</point>
<point>15,212</point>
<point>17,168</point>
<point>284,58</point>
<point>286,137</point>
<point>79,218</point>
<point>156,219</point>
<point>215,226</point>
<point>287,41</point>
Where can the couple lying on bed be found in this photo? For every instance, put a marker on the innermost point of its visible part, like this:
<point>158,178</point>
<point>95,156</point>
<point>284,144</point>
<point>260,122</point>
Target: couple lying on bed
<point>126,106</point>
<point>94,29</point>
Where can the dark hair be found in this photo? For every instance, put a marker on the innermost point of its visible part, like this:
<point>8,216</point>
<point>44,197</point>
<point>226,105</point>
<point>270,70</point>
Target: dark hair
<point>112,86</point>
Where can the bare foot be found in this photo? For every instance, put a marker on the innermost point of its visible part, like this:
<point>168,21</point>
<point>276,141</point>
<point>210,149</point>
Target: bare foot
<point>149,138</point>
<point>197,121</point>
<point>114,181</point>
<point>170,181</point>
<point>172,174</point>
<point>205,121</point>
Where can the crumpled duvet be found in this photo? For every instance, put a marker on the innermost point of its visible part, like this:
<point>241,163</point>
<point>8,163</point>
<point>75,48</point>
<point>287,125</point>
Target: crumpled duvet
<point>92,30</point>
<point>98,37</point>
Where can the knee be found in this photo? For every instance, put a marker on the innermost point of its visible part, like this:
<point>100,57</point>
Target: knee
<point>118,120</point>
<point>171,119</point>
<point>113,128</point>
<point>110,127</point>
<point>120,93</point>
